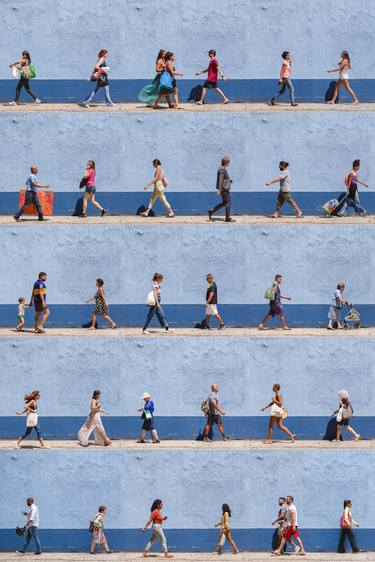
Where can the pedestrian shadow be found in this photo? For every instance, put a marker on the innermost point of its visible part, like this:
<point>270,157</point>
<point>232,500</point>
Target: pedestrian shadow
<point>330,91</point>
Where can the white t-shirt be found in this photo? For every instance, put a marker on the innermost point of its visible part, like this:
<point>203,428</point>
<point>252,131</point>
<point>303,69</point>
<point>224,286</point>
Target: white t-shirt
<point>21,309</point>
<point>33,516</point>
<point>285,181</point>
<point>335,300</point>
<point>292,509</point>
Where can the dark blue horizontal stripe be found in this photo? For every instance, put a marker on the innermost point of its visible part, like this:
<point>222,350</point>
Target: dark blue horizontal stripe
<point>238,90</point>
<point>184,315</point>
<point>189,203</point>
<point>183,540</point>
<point>183,427</point>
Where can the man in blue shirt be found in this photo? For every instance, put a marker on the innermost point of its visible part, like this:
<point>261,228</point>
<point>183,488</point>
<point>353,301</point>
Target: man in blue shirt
<point>31,194</point>
<point>39,299</point>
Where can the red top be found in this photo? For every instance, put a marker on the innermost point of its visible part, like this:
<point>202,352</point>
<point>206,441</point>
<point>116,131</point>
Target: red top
<point>90,177</point>
<point>212,70</point>
<point>157,517</point>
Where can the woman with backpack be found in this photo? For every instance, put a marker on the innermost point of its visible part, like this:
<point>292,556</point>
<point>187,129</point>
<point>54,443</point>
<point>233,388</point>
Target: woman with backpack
<point>31,409</point>
<point>157,519</point>
<point>100,76</point>
<point>344,65</point>
<point>94,424</point>
<point>97,529</point>
<point>346,524</point>
<point>278,413</point>
<point>88,182</point>
<point>344,414</point>
<point>148,419</point>
<point>154,306</point>
<point>160,182</point>
<point>225,532</point>
<point>27,72</point>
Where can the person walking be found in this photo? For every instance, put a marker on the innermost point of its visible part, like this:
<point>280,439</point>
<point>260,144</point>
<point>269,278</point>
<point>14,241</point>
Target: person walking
<point>344,65</point>
<point>225,530</point>
<point>154,305</point>
<point>94,424</point>
<point>285,194</point>
<point>98,536</point>
<point>215,413</point>
<point>168,82</point>
<point>278,414</point>
<point>344,414</point>
<point>21,314</point>
<point>223,187</point>
<point>352,198</point>
<point>101,306</point>
<point>211,303</point>
<point>31,527</point>
<point>338,301</point>
<point>284,79</point>
<point>149,94</point>
<point>157,519</point>
<point>212,70</point>
<point>39,299</point>
<point>282,523</point>
<point>31,196</point>
<point>88,181</point>
<point>100,76</point>
<point>291,530</point>
<point>27,73</point>
<point>160,182</point>
<point>276,308</point>
<point>32,419</point>
<point>346,524</point>
<point>147,416</point>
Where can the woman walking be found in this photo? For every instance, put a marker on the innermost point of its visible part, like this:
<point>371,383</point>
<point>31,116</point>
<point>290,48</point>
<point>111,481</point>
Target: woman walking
<point>154,306</point>
<point>101,305</point>
<point>149,94</point>
<point>27,72</point>
<point>100,76</point>
<point>98,536</point>
<point>285,194</point>
<point>88,181</point>
<point>225,532</point>
<point>284,79</point>
<point>344,414</point>
<point>160,182</point>
<point>338,301</point>
<point>352,199</point>
<point>344,65</point>
<point>32,419</point>
<point>93,424</point>
<point>157,519</point>
<point>148,419</point>
<point>278,413</point>
<point>168,83</point>
<point>346,524</point>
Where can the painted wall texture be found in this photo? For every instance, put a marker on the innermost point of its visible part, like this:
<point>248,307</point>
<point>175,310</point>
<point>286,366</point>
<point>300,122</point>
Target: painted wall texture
<point>320,148</point>
<point>243,258</point>
<point>249,36</point>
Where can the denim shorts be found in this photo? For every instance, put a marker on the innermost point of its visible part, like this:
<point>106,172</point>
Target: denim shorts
<point>90,189</point>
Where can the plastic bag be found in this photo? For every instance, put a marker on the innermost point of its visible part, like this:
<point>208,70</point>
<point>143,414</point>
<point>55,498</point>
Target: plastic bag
<point>15,72</point>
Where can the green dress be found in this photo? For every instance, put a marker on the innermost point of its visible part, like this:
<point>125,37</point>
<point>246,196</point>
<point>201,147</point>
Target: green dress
<point>149,94</point>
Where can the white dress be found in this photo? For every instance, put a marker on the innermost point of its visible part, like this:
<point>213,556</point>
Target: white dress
<point>94,424</point>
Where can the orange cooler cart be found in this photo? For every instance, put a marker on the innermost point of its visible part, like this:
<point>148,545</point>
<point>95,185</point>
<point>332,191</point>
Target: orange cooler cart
<point>45,198</point>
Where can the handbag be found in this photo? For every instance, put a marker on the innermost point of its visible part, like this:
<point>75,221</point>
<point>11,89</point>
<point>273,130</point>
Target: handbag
<point>32,419</point>
<point>339,414</point>
<point>83,183</point>
<point>165,181</point>
<point>20,531</point>
<point>32,72</point>
<point>222,540</point>
<point>15,74</point>
<point>343,523</point>
<point>151,299</point>
<point>147,414</point>
<point>91,527</point>
<point>166,81</point>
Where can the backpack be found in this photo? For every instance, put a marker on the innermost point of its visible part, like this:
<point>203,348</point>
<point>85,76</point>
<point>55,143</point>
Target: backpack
<point>205,406</point>
<point>270,293</point>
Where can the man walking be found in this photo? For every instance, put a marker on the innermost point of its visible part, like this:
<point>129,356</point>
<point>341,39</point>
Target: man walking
<point>214,414</point>
<point>213,70</point>
<point>32,195</point>
<point>32,526</point>
<point>211,303</point>
<point>223,186</point>
<point>281,520</point>
<point>276,308</point>
<point>38,298</point>
<point>291,529</point>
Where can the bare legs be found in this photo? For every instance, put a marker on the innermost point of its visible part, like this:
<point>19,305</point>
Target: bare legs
<point>106,316</point>
<point>280,425</point>
<point>343,82</point>
<point>230,540</point>
<point>220,92</point>
<point>39,327</point>
<point>262,325</point>
<point>349,429</point>
<point>90,197</point>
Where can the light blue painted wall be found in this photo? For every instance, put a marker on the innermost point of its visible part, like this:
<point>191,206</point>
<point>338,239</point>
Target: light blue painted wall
<point>312,259</point>
<point>193,485</point>
<point>310,371</point>
<point>319,146</point>
<point>249,35</point>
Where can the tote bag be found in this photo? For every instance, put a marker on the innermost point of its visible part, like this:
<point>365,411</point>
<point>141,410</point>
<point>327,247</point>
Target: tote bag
<point>166,81</point>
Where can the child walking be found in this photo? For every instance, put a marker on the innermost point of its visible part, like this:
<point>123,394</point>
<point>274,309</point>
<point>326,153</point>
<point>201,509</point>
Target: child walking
<point>285,194</point>
<point>21,314</point>
<point>225,532</point>
<point>211,303</point>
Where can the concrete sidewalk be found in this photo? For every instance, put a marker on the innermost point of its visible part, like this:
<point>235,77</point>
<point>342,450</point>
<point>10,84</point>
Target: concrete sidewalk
<point>217,445</point>
<point>195,220</point>
<point>137,107</point>
<point>189,557</point>
<point>190,332</point>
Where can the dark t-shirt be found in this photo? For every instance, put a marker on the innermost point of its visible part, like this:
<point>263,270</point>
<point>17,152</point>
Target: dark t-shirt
<point>212,289</point>
<point>39,286</point>
<point>277,298</point>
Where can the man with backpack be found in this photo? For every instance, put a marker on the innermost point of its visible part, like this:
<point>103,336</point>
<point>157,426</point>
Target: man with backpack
<point>212,409</point>
<point>273,294</point>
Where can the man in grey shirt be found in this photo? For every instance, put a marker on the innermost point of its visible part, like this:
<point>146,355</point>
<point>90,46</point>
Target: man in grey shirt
<point>214,414</point>
<point>223,185</point>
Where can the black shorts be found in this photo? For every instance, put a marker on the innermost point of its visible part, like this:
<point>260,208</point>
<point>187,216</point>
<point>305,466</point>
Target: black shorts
<point>90,189</point>
<point>213,418</point>
<point>209,85</point>
<point>38,307</point>
<point>343,422</point>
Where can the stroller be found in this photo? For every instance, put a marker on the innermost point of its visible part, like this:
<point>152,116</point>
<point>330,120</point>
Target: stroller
<point>352,320</point>
<point>335,207</point>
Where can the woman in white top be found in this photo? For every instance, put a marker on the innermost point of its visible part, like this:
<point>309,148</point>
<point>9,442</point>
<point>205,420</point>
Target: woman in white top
<point>153,302</point>
<point>338,302</point>
<point>344,65</point>
<point>278,413</point>
<point>160,182</point>
<point>94,424</point>
<point>32,420</point>
<point>343,414</point>
<point>98,536</point>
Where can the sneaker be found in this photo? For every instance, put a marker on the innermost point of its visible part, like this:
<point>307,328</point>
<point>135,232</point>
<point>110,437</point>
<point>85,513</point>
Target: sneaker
<point>111,104</point>
<point>103,212</point>
<point>294,104</point>
<point>272,101</point>
<point>226,438</point>
<point>222,327</point>
<point>37,102</point>
<point>85,104</point>
<point>210,211</point>
<point>20,552</point>
<point>16,218</point>
<point>296,549</point>
<point>145,332</point>
<point>14,103</point>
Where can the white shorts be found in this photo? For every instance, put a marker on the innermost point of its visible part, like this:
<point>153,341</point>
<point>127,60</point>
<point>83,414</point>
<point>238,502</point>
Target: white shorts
<point>211,310</point>
<point>344,76</point>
